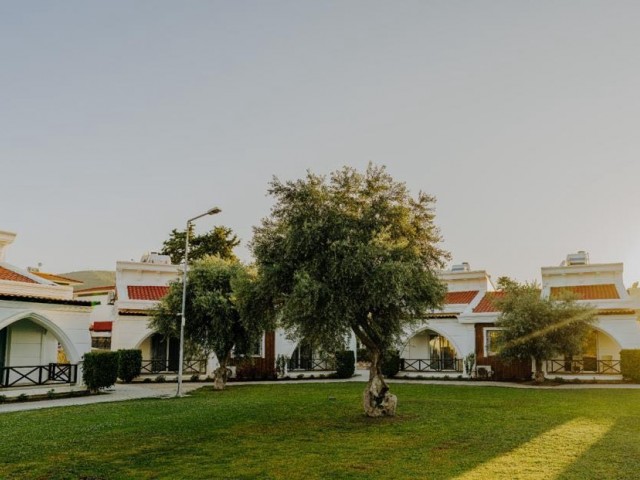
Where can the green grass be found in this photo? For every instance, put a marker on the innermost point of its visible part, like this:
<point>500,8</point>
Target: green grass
<point>319,431</point>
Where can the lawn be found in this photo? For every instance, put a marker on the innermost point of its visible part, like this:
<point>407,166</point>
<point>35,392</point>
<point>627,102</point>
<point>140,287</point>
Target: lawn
<point>318,431</point>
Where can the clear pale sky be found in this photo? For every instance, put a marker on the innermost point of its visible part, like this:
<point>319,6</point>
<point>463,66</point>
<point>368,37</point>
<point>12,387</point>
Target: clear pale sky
<point>120,120</point>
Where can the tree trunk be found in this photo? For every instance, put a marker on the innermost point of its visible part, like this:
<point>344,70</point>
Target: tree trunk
<point>377,400</point>
<point>221,374</point>
<point>539,374</point>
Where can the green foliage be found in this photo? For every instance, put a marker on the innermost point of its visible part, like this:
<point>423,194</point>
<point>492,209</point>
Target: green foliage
<point>541,328</point>
<point>100,370</point>
<point>281,364</point>
<point>630,364</point>
<point>354,252</point>
<point>210,434</point>
<point>129,364</point>
<point>390,363</point>
<point>345,363</point>
<point>469,363</point>
<point>220,242</point>
<point>23,397</point>
<point>219,314</point>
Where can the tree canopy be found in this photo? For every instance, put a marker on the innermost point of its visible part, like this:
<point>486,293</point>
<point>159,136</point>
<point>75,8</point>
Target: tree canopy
<point>219,241</point>
<point>540,328</point>
<point>216,292</point>
<point>354,252</point>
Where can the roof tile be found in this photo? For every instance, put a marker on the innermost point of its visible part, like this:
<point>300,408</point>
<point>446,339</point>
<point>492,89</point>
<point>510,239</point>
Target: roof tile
<point>486,305</point>
<point>10,275</point>
<point>460,297</point>
<point>589,292</point>
<point>146,292</point>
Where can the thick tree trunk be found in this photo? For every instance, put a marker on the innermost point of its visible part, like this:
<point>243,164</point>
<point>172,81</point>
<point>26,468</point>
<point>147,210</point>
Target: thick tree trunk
<point>376,399</point>
<point>539,374</point>
<point>221,374</point>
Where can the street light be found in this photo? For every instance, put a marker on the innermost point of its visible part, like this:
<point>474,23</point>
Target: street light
<point>212,211</point>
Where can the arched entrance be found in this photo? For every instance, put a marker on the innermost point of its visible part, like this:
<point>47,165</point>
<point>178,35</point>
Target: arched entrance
<point>430,351</point>
<point>306,357</point>
<point>35,351</point>
<point>600,354</point>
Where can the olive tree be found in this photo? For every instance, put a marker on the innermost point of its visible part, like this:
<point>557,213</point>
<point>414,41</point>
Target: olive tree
<point>354,252</point>
<point>540,328</point>
<point>216,289</point>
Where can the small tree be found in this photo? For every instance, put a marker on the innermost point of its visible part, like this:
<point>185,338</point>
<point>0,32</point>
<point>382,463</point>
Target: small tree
<point>215,291</point>
<point>356,254</point>
<point>220,241</point>
<point>539,328</point>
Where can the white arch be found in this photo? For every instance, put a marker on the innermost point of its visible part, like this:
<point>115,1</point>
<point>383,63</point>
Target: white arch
<point>601,329</point>
<point>437,330</point>
<point>39,319</point>
<point>143,339</point>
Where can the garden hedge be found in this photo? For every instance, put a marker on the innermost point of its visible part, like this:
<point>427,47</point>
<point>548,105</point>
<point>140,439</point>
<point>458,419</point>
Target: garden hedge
<point>129,364</point>
<point>345,364</point>
<point>100,370</point>
<point>630,364</point>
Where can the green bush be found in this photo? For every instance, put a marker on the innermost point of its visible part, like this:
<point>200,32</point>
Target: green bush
<point>390,363</point>
<point>100,370</point>
<point>630,364</point>
<point>345,364</point>
<point>129,364</point>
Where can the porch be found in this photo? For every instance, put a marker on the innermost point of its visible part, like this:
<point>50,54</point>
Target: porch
<point>429,352</point>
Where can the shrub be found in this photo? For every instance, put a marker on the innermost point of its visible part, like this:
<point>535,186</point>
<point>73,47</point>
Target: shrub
<point>129,364</point>
<point>195,377</point>
<point>3,398</point>
<point>23,397</point>
<point>51,394</point>
<point>160,379</point>
<point>100,370</point>
<point>390,363</point>
<point>345,364</point>
<point>630,364</point>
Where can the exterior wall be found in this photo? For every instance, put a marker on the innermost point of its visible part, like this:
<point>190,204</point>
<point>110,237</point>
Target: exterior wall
<point>460,336</point>
<point>30,344</point>
<point>264,364</point>
<point>514,370</point>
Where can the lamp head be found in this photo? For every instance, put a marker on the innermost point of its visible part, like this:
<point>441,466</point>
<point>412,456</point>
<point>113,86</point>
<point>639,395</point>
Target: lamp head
<point>213,211</point>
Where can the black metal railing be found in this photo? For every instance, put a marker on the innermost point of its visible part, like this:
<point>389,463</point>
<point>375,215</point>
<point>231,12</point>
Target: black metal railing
<point>53,373</point>
<point>158,365</point>
<point>311,364</point>
<point>604,367</point>
<point>431,364</point>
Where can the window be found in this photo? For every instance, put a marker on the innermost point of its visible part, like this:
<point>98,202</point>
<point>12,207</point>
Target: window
<point>491,338</point>
<point>103,343</point>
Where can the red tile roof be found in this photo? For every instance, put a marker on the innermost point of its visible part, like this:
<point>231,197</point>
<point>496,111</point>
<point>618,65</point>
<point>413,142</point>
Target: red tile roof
<point>589,292</point>
<point>6,274</point>
<point>486,304</point>
<point>461,297</point>
<point>101,326</point>
<point>140,292</point>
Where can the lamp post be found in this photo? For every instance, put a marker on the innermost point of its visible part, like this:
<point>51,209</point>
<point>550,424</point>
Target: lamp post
<point>212,211</point>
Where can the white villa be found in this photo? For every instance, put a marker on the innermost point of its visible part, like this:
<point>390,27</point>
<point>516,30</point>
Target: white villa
<point>44,331</point>
<point>45,328</point>
<point>467,324</point>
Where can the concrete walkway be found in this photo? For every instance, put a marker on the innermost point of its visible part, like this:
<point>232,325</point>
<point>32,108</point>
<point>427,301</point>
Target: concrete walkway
<point>134,391</point>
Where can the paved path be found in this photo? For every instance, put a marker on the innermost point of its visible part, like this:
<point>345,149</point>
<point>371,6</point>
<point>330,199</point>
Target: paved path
<point>133,391</point>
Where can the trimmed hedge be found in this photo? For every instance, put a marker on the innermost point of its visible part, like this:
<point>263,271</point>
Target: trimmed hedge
<point>630,364</point>
<point>100,370</point>
<point>390,363</point>
<point>129,364</point>
<point>345,364</point>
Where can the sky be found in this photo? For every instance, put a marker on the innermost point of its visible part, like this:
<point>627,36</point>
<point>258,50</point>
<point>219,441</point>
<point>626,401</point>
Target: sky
<point>120,120</point>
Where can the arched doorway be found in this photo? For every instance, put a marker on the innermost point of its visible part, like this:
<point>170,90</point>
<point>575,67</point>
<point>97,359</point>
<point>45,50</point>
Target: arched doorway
<point>35,351</point>
<point>429,351</point>
<point>600,354</point>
